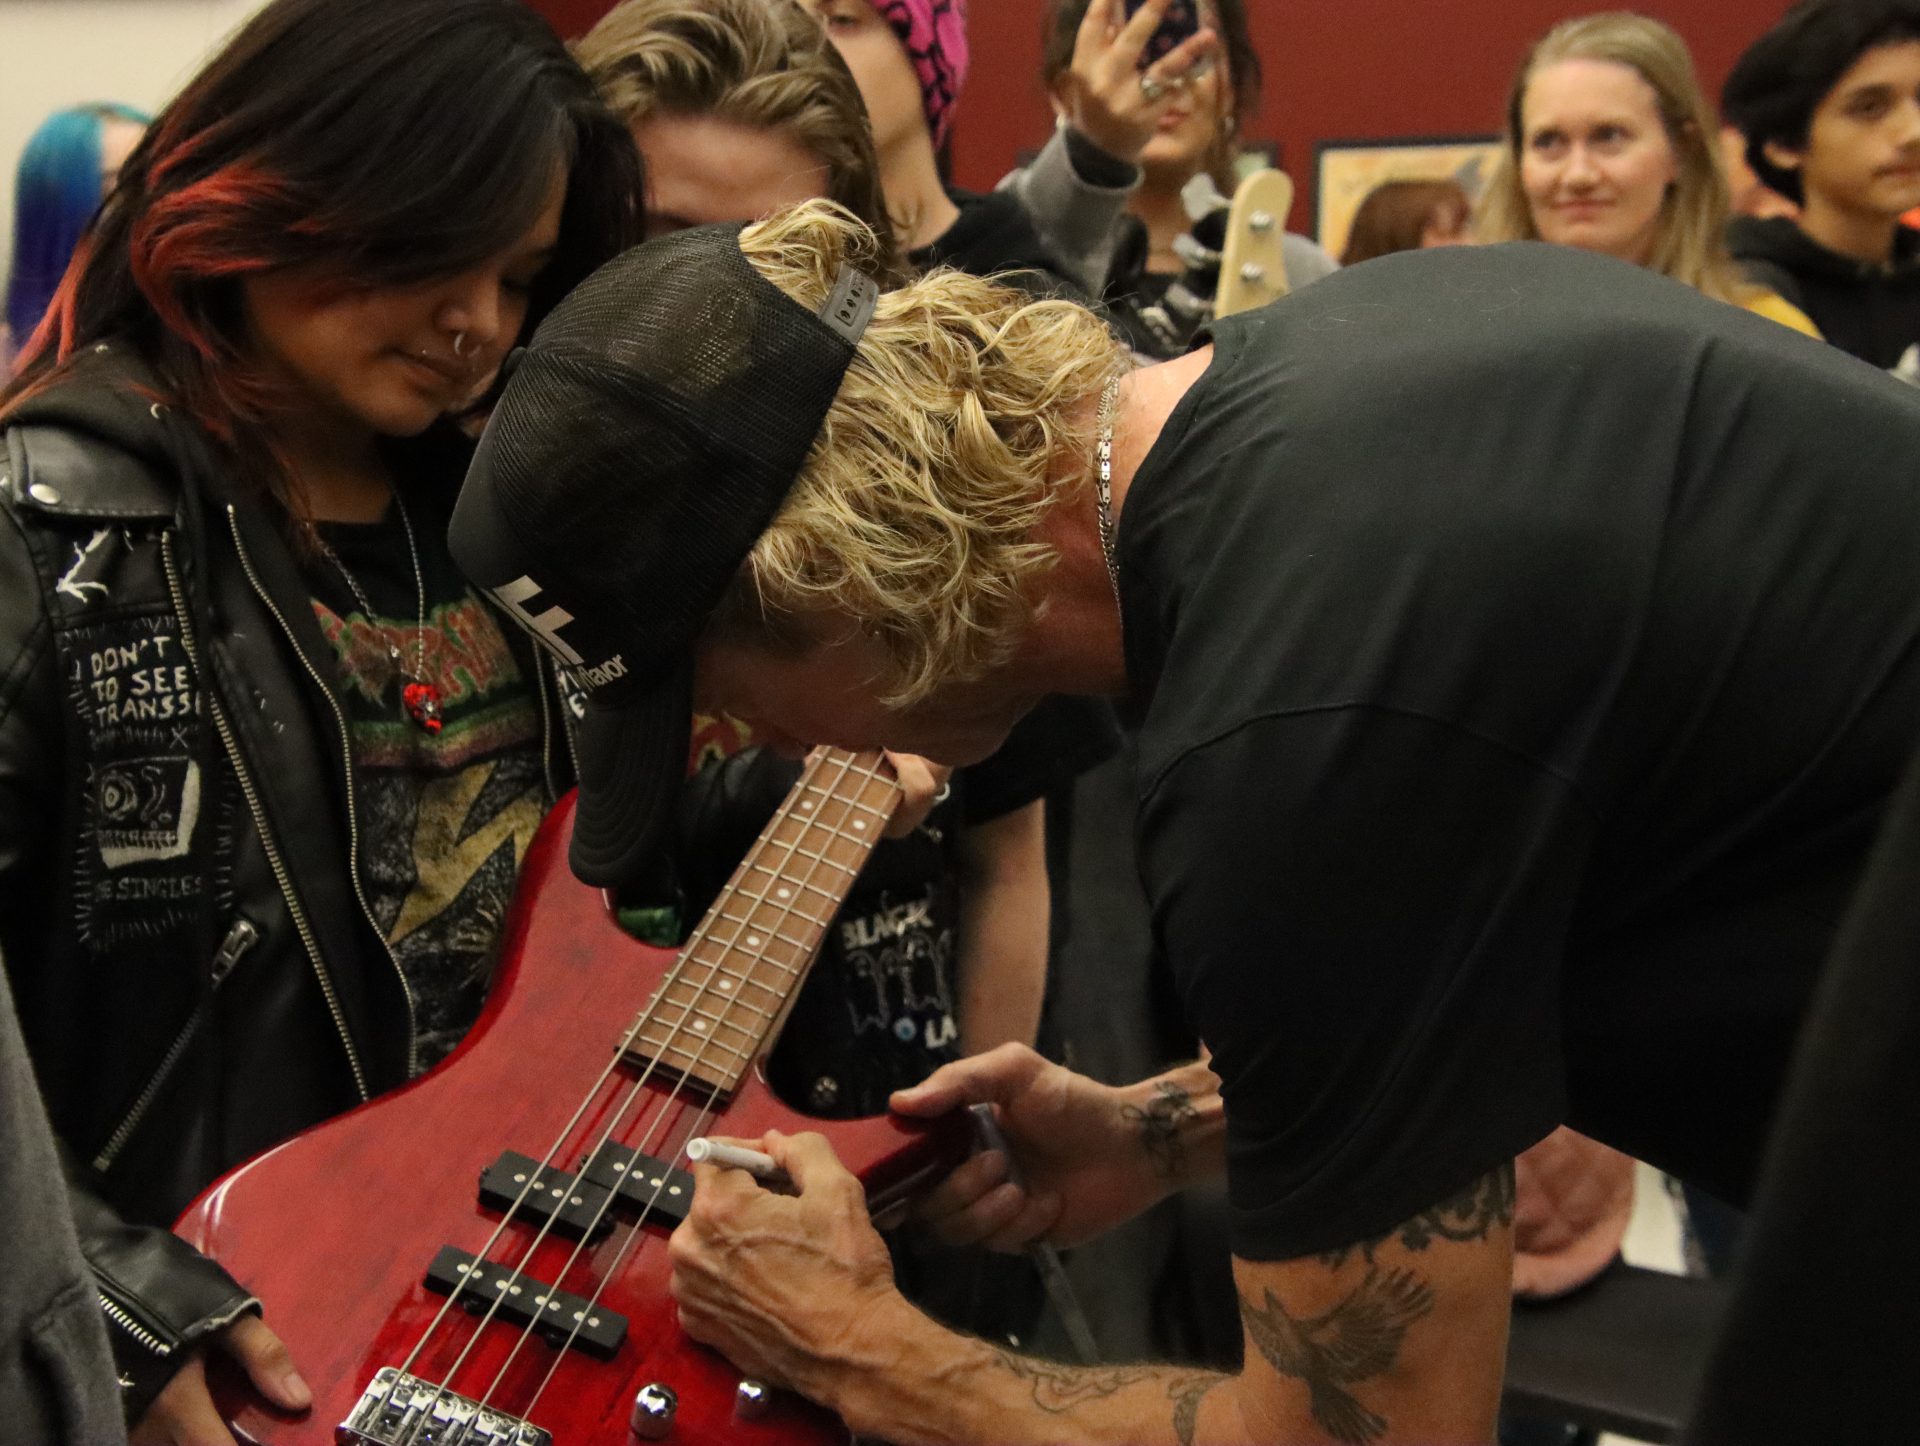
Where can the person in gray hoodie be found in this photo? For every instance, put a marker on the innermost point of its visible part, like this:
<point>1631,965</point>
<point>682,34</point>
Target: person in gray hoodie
<point>1104,193</point>
<point>56,1373</point>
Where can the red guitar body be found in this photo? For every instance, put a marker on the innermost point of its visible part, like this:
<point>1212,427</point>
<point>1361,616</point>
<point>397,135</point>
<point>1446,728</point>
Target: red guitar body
<point>335,1230</point>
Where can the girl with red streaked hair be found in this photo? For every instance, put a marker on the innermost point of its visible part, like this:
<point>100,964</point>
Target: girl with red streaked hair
<point>267,767</point>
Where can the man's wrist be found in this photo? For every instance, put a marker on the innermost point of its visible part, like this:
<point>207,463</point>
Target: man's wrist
<point>1178,1125</point>
<point>901,1355</point>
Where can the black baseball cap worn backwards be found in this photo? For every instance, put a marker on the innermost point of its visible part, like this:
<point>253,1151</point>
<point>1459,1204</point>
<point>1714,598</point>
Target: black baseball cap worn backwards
<point>645,438</point>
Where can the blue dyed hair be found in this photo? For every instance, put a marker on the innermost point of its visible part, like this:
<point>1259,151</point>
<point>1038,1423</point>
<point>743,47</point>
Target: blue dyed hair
<point>54,198</point>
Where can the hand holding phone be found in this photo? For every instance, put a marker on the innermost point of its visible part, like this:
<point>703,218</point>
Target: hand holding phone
<point>1182,20</point>
<point>1126,67</point>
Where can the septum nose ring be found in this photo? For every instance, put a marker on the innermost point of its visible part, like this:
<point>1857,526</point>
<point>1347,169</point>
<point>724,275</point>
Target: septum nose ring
<point>460,344</point>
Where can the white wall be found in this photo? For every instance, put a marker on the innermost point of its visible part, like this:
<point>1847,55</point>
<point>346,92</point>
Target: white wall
<point>56,53</point>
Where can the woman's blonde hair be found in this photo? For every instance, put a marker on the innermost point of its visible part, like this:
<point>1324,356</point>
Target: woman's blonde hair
<point>917,507</point>
<point>761,63</point>
<point>1691,244</point>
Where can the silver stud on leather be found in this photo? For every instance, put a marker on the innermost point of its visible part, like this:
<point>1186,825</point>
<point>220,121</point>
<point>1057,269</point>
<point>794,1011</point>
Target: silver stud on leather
<point>45,493</point>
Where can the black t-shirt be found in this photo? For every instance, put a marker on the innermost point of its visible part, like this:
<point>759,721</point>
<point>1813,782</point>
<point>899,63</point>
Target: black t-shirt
<point>994,236</point>
<point>878,1010</point>
<point>1532,645</point>
<point>445,818</point>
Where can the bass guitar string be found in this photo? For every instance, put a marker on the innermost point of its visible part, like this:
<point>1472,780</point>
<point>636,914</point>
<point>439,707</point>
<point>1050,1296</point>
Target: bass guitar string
<point>677,975</point>
<point>707,1039</point>
<point>634,1236</point>
<point>645,1017</point>
<point>635,1093</point>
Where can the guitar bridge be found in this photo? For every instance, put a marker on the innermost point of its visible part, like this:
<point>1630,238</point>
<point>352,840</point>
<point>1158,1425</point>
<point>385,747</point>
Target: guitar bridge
<point>397,1408</point>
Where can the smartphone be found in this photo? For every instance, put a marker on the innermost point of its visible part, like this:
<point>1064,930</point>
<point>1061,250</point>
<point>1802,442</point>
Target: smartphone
<point>1181,21</point>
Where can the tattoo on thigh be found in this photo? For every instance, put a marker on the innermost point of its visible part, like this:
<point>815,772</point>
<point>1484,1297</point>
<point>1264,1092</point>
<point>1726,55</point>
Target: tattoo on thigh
<point>1465,1218</point>
<point>1186,1394</point>
<point>1058,1389</point>
<point>1357,1339</point>
<point>1160,1124</point>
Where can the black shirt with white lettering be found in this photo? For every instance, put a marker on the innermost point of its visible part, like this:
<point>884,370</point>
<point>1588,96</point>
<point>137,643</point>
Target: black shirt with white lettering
<point>1530,645</point>
<point>879,1009</point>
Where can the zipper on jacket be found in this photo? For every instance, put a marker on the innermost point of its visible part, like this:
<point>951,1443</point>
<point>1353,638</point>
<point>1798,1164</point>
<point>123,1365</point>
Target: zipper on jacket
<point>147,1339</point>
<point>353,809</point>
<point>543,683</point>
<point>190,643</point>
<point>546,682</point>
<point>240,938</point>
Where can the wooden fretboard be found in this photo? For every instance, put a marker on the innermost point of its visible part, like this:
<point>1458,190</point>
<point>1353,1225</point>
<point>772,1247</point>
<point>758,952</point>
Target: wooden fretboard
<point>730,991</point>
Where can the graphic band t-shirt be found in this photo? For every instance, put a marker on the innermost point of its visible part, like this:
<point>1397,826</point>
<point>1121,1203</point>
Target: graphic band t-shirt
<point>1530,646</point>
<point>446,818</point>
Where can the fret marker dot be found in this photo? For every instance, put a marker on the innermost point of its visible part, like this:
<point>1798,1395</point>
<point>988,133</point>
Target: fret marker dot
<point>753,941</point>
<point>860,823</point>
<point>806,805</point>
<point>700,1026</point>
<point>726,986</point>
<point>786,893</point>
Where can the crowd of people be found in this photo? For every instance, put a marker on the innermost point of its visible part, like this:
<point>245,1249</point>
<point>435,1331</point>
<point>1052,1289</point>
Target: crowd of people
<point>272,748</point>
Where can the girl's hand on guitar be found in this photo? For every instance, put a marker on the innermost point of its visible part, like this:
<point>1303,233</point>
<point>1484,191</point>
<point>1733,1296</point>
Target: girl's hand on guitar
<point>183,1414</point>
<point>1081,1158</point>
<point>923,783</point>
<point>1103,95</point>
<point>790,1288</point>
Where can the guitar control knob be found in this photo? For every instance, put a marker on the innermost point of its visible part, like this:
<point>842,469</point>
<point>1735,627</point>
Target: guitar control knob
<point>752,1401</point>
<point>653,1412</point>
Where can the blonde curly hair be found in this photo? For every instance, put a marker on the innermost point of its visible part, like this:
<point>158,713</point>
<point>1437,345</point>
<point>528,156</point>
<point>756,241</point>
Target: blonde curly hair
<point>917,508</point>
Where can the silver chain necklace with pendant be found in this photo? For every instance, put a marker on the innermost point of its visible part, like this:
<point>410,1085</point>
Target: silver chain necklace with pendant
<point>419,698</point>
<point>1103,482</point>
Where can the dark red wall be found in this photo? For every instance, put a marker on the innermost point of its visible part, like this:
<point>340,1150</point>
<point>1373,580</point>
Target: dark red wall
<point>1336,69</point>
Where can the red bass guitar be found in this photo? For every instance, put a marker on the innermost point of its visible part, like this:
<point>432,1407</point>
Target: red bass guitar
<point>479,1259</point>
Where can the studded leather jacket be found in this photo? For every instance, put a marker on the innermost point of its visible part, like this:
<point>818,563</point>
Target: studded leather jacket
<point>197,972</point>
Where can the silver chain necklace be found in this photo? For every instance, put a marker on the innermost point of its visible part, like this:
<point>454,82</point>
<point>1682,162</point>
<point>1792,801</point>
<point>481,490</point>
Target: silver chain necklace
<point>419,698</point>
<point>1103,481</point>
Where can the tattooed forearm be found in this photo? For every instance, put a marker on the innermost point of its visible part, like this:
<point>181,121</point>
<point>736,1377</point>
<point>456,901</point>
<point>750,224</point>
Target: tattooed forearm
<point>1466,1218</point>
<point>1058,1389</point>
<point>1160,1125</point>
<point>1186,1394</point>
<point>1358,1339</point>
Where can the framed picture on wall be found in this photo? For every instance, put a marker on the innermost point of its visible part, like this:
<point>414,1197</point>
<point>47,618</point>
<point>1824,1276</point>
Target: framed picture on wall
<point>1345,171</point>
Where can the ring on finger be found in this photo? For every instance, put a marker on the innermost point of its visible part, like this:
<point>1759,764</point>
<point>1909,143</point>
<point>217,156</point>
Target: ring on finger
<point>1152,87</point>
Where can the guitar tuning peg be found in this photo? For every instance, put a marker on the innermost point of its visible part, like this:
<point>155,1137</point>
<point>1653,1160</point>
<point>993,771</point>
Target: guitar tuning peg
<point>1253,273</point>
<point>1261,222</point>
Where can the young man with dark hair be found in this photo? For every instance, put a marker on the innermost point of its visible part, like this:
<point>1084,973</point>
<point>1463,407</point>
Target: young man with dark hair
<point>1829,102</point>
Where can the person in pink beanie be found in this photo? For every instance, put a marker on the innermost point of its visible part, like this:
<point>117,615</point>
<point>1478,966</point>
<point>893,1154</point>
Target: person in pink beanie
<point>934,33</point>
<point>909,58</point>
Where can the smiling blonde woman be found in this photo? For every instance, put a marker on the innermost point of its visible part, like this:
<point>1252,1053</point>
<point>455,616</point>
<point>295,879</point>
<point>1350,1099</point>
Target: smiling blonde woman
<point>1612,147</point>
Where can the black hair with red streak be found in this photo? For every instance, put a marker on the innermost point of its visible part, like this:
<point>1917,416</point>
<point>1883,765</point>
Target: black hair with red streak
<point>377,143</point>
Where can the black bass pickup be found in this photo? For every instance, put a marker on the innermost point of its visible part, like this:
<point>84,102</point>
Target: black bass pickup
<point>576,1204</point>
<point>560,1318</point>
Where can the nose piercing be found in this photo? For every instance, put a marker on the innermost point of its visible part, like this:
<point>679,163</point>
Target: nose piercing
<point>460,344</point>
